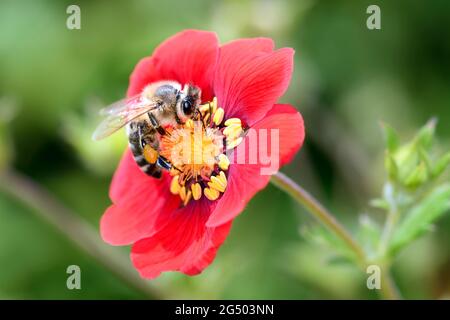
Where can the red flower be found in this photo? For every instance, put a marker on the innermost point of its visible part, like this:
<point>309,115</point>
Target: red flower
<point>248,77</point>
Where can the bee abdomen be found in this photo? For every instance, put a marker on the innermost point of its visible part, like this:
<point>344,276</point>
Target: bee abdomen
<point>135,145</point>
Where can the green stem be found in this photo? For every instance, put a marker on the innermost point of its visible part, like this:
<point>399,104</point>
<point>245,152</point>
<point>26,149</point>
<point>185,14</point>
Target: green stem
<point>389,290</point>
<point>75,229</point>
<point>319,212</point>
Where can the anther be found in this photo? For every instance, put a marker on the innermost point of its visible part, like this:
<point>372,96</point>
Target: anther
<point>224,162</point>
<point>183,193</point>
<point>233,121</point>
<point>188,197</point>
<point>214,105</point>
<point>233,131</point>
<point>233,143</point>
<point>196,191</point>
<point>174,185</point>
<point>211,194</point>
<point>218,183</point>
<point>218,116</point>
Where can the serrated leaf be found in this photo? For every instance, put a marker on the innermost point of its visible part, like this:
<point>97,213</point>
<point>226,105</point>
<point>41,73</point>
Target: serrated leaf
<point>369,234</point>
<point>420,217</point>
<point>319,235</point>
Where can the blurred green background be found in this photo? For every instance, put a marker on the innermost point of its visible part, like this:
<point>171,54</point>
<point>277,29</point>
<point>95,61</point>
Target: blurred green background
<point>347,79</point>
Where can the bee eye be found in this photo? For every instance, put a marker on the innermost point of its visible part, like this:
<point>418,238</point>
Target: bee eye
<point>186,106</point>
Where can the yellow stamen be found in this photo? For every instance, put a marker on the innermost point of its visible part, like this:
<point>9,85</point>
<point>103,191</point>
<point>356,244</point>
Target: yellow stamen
<point>218,182</point>
<point>223,178</point>
<point>188,197</point>
<point>183,193</point>
<point>211,194</point>
<point>206,118</point>
<point>189,124</point>
<point>150,154</point>
<point>224,162</point>
<point>232,121</point>
<point>234,130</point>
<point>196,150</point>
<point>174,185</point>
<point>214,105</point>
<point>233,143</point>
<point>196,191</point>
<point>218,116</point>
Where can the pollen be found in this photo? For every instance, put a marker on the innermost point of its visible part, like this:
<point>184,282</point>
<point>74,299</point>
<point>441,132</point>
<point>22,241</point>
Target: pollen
<point>196,152</point>
<point>150,154</point>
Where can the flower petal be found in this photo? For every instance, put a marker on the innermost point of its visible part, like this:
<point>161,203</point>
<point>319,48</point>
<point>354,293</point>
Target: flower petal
<point>141,204</point>
<point>250,77</point>
<point>246,179</point>
<point>144,73</point>
<point>291,130</point>
<point>189,57</point>
<point>185,244</point>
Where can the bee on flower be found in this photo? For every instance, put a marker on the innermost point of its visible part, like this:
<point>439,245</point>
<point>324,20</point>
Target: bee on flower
<point>191,110</point>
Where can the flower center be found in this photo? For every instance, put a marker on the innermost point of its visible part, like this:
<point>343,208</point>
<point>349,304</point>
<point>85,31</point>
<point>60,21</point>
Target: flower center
<point>196,151</point>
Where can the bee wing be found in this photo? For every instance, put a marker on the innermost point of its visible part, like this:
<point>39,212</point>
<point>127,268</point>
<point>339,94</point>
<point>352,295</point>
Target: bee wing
<point>120,113</point>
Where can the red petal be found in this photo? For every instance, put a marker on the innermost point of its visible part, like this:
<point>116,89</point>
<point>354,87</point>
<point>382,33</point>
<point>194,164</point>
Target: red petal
<point>144,73</point>
<point>291,129</point>
<point>184,244</point>
<point>250,77</point>
<point>245,180</point>
<point>142,204</point>
<point>187,57</point>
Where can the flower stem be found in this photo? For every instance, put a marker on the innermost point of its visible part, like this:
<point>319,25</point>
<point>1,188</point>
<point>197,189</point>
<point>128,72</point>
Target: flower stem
<point>388,287</point>
<point>389,290</point>
<point>319,212</point>
<point>74,228</point>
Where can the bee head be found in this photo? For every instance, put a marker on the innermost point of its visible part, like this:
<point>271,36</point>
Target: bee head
<point>190,99</point>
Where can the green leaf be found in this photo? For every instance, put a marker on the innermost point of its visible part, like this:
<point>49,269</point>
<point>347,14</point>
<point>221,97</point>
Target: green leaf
<point>391,138</point>
<point>379,204</point>
<point>369,234</point>
<point>420,217</point>
<point>319,235</point>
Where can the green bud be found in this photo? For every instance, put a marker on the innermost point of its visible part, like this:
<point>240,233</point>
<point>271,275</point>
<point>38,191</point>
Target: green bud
<point>424,137</point>
<point>391,138</point>
<point>441,165</point>
<point>417,177</point>
<point>391,166</point>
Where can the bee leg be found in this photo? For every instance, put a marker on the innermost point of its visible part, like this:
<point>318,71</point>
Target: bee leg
<point>155,124</point>
<point>164,163</point>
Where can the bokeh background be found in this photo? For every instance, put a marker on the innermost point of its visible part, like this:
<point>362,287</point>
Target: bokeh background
<point>347,79</point>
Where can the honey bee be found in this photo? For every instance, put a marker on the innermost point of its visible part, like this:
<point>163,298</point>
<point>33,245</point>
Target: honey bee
<point>146,116</point>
